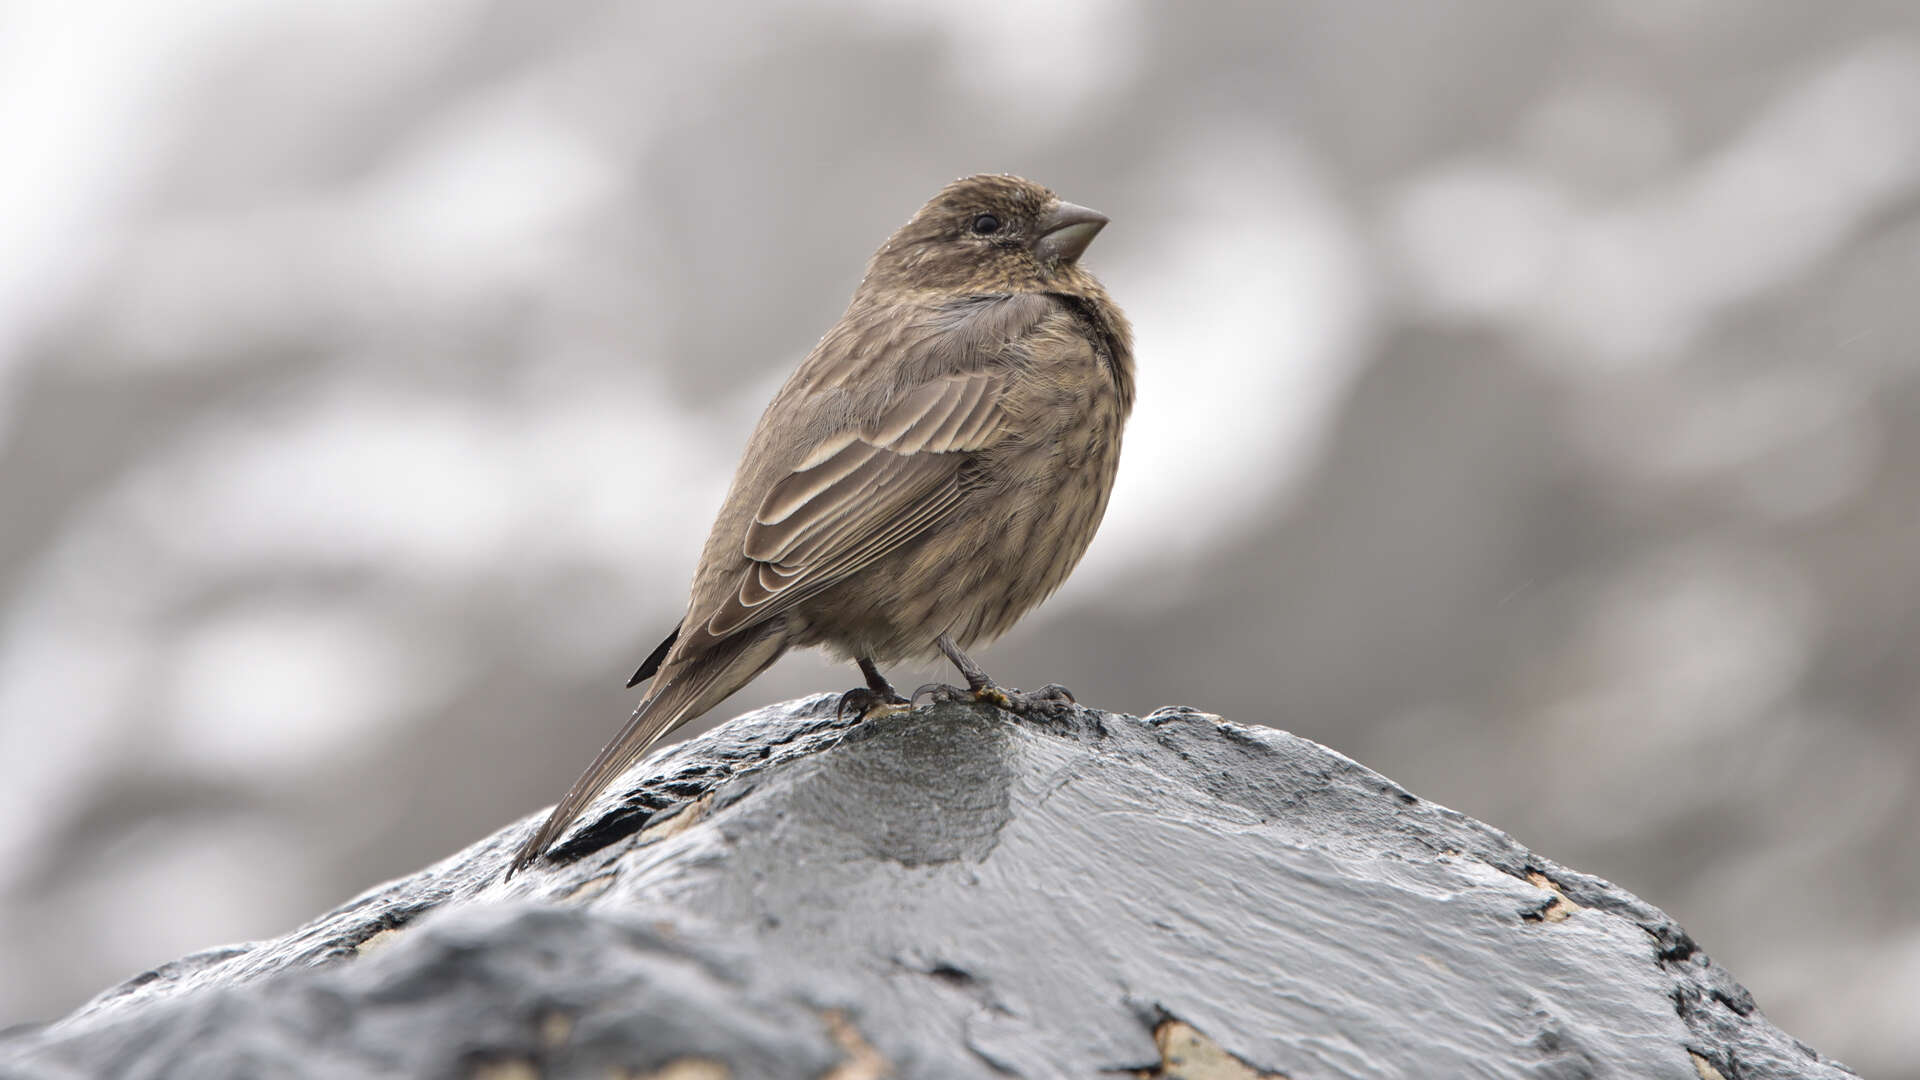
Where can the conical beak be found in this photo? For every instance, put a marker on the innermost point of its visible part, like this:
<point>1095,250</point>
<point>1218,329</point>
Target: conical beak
<point>1066,232</point>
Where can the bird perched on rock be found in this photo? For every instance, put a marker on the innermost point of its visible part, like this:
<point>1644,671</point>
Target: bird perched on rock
<point>934,469</point>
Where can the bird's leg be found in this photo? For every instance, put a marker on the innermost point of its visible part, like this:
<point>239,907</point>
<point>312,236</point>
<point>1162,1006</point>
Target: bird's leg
<point>982,688</point>
<point>864,699</point>
<point>878,684</point>
<point>978,681</point>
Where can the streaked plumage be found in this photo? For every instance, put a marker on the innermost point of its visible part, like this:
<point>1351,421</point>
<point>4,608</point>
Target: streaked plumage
<point>935,466</point>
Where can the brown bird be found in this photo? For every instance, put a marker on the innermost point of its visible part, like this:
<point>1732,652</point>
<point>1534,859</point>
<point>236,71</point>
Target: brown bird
<point>934,469</point>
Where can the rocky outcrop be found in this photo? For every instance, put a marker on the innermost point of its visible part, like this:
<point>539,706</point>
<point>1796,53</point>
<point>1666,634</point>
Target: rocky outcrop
<point>955,892</point>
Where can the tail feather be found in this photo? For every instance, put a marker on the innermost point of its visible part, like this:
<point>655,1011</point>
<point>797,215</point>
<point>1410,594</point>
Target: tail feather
<point>699,685</point>
<point>652,663</point>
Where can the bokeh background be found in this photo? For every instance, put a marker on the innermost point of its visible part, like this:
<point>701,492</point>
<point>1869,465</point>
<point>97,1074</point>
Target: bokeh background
<point>1529,408</point>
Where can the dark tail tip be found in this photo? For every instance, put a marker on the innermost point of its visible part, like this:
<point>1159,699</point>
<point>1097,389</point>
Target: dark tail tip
<point>652,663</point>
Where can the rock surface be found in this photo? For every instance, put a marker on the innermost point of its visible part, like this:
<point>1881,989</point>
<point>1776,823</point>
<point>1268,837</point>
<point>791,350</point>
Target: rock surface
<point>955,892</point>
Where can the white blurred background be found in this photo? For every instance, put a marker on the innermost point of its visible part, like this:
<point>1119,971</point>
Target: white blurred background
<point>1530,408</point>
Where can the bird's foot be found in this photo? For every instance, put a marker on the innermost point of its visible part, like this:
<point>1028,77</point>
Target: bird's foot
<point>1048,697</point>
<point>982,688</point>
<point>863,701</point>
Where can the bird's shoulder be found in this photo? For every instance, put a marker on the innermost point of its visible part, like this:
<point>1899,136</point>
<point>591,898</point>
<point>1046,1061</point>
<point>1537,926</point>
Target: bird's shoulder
<point>890,362</point>
<point>897,341</point>
<point>887,356</point>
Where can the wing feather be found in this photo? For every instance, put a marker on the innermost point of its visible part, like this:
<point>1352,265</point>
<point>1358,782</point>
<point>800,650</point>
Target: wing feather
<point>854,504</point>
<point>860,492</point>
<point>775,539</point>
<point>910,413</point>
<point>802,486</point>
<point>958,408</point>
<point>978,422</point>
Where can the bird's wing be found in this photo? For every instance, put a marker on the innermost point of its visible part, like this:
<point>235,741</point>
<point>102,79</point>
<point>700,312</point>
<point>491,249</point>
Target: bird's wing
<point>860,494</point>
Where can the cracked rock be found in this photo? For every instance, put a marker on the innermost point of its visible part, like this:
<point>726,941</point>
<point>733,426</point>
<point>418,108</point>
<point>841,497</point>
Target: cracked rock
<point>956,892</point>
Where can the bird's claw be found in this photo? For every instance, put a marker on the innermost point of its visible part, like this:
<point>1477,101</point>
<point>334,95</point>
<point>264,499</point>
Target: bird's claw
<point>861,701</point>
<point>1049,695</point>
<point>939,693</point>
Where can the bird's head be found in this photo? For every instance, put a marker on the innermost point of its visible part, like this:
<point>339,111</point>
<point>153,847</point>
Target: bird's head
<point>989,234</point>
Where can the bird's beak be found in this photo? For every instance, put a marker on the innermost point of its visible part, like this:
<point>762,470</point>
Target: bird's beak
<point>1066,232</point>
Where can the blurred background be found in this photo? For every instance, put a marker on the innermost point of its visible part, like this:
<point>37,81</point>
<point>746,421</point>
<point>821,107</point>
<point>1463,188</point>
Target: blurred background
<point>1529,408</point>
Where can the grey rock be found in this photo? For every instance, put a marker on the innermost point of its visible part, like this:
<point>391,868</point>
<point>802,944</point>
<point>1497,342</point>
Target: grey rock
<point>954,891</point>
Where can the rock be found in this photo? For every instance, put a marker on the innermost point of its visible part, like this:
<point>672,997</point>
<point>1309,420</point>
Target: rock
<point>955,892</point>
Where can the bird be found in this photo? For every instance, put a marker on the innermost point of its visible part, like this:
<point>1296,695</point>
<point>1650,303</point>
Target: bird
<point>933,469</point>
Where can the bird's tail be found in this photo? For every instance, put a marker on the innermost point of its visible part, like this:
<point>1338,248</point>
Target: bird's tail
<point>698,685</point>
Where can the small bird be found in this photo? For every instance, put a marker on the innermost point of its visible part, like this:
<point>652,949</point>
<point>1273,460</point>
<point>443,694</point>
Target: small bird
<point>933,469</point>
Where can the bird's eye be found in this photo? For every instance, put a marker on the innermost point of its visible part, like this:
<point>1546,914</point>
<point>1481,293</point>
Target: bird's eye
<point>986,224</point>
